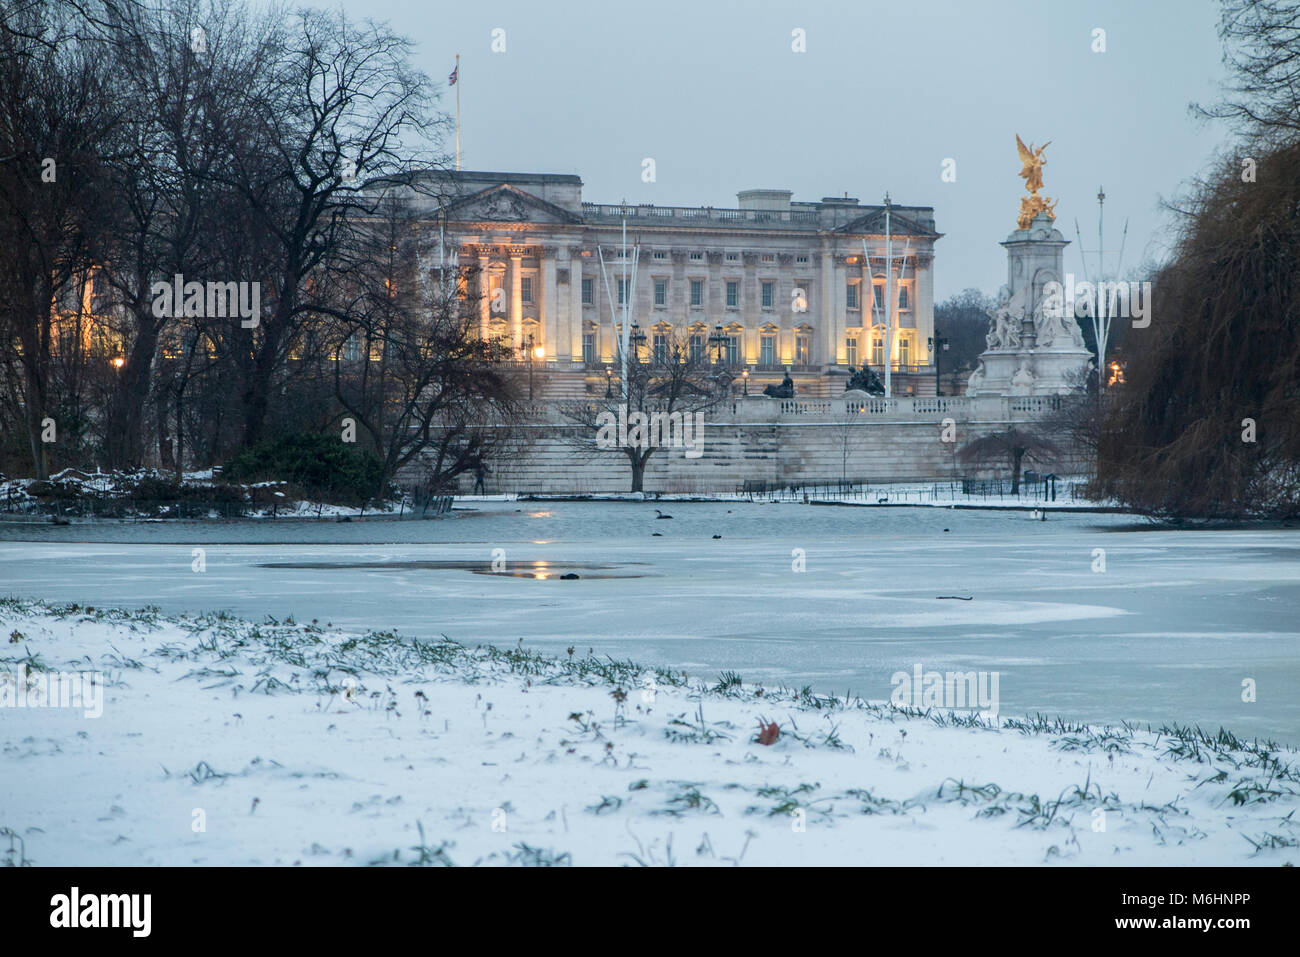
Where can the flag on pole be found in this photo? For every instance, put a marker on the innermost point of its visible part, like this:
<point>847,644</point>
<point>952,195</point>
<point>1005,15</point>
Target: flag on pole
<point>451,80</point>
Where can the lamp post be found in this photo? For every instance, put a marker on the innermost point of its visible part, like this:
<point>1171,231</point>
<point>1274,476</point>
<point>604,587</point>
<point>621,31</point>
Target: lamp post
<point>718,340</point>
<point>609,382</point>
<point>537,351</point>
<point>937,344</point>
<point>744,374</point>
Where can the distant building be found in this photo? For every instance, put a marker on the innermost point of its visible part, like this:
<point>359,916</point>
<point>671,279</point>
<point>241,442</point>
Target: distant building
<point>770,285</point>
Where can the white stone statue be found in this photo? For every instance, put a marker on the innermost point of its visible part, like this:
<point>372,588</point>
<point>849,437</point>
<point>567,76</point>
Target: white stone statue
<point>1022,382</point>
<point>1048,324</point>
<point>1004,328</point>
<point>976,380</point>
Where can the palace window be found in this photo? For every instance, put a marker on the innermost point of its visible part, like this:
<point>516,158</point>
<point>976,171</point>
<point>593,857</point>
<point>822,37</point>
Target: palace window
<point>769,294</point>
<point>903,299</point>
<point>526,289</point>
<point>733,257</point>
<point>879,293</point>
<point>851,350</point>
<point>661,348</point>
<point>877,352</point>
<point>697,257</point>
<point>733,293</point>
<point>767,351</point>
<point>733,350</point>
<point>851,295</point>
<point>589,348</point>
<point>697,347</point>
<point>802,260</point>
<point>697,292</point>
<point>768,257</point>
<point>623,285</point>
<point>904,352</point>
<point>661,292</point>
<point>588,291</point>
<point>660,254</point>
<point>802,349</point>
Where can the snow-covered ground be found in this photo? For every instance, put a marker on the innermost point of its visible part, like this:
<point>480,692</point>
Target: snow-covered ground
<point>1166,630</point>
<point>226,742</point>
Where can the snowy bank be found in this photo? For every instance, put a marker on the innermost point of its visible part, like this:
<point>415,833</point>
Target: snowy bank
<point>224,741</point>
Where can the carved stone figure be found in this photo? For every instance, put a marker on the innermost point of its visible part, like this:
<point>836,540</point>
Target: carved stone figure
<point>502,206</point>
<point>1004,329</point>
<point>976,380</point>
<point>1022,383</point>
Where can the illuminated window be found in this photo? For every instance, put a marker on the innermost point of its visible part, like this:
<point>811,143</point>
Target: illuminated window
<point>767,351</point>
<point>661,348</point>
<point>802,349</point>
<point>851,350</point>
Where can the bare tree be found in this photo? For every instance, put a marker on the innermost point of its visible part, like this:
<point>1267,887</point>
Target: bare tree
<point>1011,447</point>
<point>408,365</point>
<point>55,119</point>
<point>1261,96</point>
<point>662,404</point>
<point>342,105</point>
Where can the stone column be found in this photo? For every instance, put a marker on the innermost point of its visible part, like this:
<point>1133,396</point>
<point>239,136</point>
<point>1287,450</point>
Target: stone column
<point>575,299</point>
<point>485,297</point>
<point>826,307</point>
<point>923,307</point>
<point>838,283</point>
<point>546,312</point>
<point>516,298</point>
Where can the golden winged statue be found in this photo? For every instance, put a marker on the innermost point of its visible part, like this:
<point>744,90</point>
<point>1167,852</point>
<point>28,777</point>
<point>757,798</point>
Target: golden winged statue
<point>1032,173</point>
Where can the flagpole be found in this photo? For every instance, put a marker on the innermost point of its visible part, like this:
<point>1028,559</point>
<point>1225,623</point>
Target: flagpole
<point>458,112</point>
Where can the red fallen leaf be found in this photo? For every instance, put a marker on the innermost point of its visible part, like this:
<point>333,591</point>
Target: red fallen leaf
<point>768,733</point>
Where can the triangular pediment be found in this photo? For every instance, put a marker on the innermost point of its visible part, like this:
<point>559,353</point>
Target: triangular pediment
<point>507,204</point>
<point>874,222</point>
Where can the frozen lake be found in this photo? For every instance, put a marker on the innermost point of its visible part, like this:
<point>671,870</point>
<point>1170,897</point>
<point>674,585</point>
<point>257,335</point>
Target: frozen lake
<point>1167,633</point>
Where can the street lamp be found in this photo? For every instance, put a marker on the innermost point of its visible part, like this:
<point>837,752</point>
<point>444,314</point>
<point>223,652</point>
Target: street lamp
<point>744,374</point>
<point>636,340</point>
<point>609,382</point>
<point>943,347</point>
<point>719,340</point>
<point>537,351</point>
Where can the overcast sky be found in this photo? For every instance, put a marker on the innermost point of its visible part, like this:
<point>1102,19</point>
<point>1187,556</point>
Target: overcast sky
<point>713,92</point>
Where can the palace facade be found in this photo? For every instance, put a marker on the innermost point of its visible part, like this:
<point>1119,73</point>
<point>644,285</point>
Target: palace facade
<point>770,285</point>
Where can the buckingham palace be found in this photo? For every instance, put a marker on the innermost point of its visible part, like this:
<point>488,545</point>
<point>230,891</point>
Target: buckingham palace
<point>768,287</point>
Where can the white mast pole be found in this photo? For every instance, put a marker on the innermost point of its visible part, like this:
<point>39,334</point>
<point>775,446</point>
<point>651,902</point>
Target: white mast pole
<point>627,295</point>
<point>889,300</point>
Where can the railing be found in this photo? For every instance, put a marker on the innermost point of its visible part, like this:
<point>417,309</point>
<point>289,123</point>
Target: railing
<point>646,211</point>
<point>756,407</point>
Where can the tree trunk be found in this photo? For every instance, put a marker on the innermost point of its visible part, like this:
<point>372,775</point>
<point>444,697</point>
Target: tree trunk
<point>1016,456</point>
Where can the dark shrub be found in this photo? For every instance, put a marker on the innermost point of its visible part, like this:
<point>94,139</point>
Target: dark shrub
<point>321,465</point>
